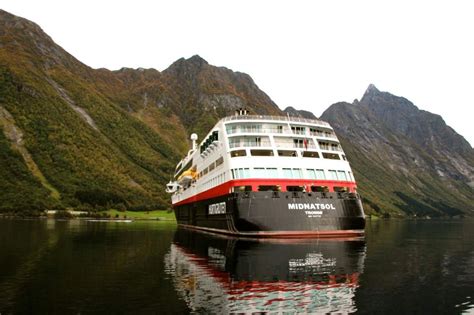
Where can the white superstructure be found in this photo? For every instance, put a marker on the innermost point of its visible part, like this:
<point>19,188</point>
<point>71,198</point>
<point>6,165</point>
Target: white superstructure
<point>254,152</point>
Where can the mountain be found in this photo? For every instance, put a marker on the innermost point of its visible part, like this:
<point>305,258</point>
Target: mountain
<point>88,138</point>
<point>79,137</point>
<point>299,113</point>
<point>407,161</point>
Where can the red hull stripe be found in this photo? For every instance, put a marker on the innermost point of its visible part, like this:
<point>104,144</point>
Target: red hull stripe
<point>333,234</point>
<point>225,188</point>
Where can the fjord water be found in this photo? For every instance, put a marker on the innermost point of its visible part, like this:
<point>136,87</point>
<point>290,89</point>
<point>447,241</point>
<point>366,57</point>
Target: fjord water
<point>402,266</point>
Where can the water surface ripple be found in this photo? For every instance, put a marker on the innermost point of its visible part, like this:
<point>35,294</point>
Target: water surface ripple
<point>401,266</point>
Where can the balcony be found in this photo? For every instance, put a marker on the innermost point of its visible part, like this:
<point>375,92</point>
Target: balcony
<point>247,144</point>
<point>276,118</point>
<point>294,146</point>
<point>283,131</point>
<point>257,130</point>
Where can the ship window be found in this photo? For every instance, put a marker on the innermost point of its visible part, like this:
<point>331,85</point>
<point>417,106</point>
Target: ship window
<point>343,157</point>
<point>341,175</point>
<point>215,136</point>
<point>234,142</point>
<point>286,153</point>
<point>320,174</point>
<point>319,189</point>
<point>331,156</point>
<point>279,129</point>
<point>292,173</point>
<point>219,161</point>
<point>297,173</point>
<point>298,143</point>
<point>350,176</point>
<point>298,130</point>
<point>241,188</point>
<point>233,175</point>
<point>241,173</point>
<point>211,167</point>
<point>323,145</point>
<point>231,129</point>
<point>259,172</point>
<point>269,188</point>
<point>261,152</point>
<point>272,172</point>
<point>316,132</point>
<point>341,189</point>
<point>332,175</point>
<point>311,173</point>
<point>238,153</point>
<point>251,128</point>
<point>204,171</point>
<point>310,154</point>
<point>294,188</point>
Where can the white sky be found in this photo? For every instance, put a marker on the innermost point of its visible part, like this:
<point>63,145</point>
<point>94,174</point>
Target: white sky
<point>305,54</point>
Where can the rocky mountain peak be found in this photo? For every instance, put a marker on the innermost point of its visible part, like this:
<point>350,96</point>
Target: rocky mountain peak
<point>376,100</point>
<point>389,140</point>
<point>371,89</point>
<point>402,117</point>
<point>197,60</point>
<point>299,113</point>
<point>11,19</point>
<point>193,64</point>
<point>370,93</point>
<point>21,35</point>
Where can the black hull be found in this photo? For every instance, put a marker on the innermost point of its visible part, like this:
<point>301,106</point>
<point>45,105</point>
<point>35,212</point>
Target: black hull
<point>276,214</point>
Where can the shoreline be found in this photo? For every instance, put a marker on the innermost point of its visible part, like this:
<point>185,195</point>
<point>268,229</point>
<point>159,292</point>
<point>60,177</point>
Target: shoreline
<point>107,215</point>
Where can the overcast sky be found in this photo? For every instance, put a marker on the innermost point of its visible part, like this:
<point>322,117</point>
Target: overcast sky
<point>305,54</point>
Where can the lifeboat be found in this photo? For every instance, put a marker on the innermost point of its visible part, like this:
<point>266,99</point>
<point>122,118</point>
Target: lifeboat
<point>186,178</point>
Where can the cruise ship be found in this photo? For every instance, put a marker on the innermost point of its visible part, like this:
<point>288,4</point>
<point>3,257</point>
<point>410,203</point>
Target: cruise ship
<point>267,176</point>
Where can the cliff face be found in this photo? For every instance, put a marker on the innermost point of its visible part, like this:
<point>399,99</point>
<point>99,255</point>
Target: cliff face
<point>407,161</point>
<point>73,136</point>
<point>80,137</point>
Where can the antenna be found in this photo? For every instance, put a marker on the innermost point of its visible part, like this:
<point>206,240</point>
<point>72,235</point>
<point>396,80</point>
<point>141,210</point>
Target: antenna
<point>194,138</point>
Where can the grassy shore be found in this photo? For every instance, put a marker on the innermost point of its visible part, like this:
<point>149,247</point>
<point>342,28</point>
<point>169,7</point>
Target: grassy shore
<point>163,215</point>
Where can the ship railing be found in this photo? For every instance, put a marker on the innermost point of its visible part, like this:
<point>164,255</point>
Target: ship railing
<point>295,146</point>
<point>250,144</point>
<point>266,144</point>
<point>291,119</point>
<point>330,149</point>
<point>278,131</point>
<point>322,135</point>
<point>260,130</point>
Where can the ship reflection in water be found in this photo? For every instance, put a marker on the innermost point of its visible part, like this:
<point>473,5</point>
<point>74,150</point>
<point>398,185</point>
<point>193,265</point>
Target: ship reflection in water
<point>216,274</point>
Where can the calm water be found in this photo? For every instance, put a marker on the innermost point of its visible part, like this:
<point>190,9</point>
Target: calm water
<point>85,267</point>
